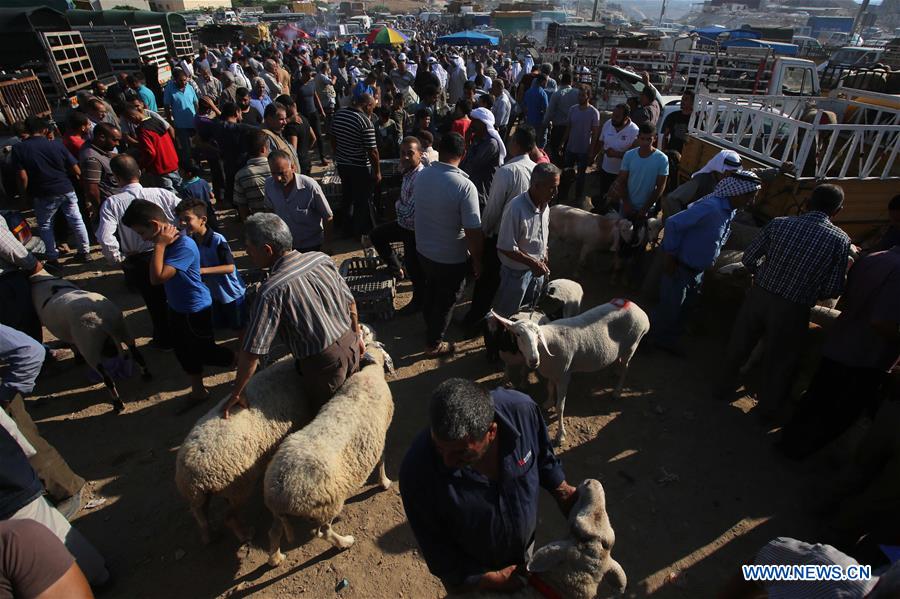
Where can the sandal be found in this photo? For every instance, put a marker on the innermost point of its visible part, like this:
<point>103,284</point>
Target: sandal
<point>444,348</point>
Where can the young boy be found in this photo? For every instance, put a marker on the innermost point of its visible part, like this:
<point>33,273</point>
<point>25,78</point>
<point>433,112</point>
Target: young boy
<point>193,187</point>
<point>176,266</point>
<point>216,266</point>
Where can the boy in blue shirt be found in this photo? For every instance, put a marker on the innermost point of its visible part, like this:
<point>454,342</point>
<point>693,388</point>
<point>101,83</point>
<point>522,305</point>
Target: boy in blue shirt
<point>216,266</point>
<point>192,186</point>
<point>176,266</point>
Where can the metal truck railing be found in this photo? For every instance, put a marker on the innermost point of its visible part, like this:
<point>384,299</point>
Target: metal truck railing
<point>21,96</point>
<point>825,138</point>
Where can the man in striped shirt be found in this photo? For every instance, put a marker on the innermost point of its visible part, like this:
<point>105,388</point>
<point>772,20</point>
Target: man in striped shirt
<point>250,181</point>
<point>356,156</point>
<point>307,303</point>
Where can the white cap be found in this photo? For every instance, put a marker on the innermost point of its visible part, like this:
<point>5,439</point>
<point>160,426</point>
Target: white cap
<point>401,57</point>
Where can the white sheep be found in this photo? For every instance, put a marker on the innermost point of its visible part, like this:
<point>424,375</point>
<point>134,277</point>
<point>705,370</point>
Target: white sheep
<point>562,299</point>
<point>89,321</point>
<point>317,468</point>
<point>226,458</point>
<point>508,350</point>
<point>591,232</point>
<point>588,342</point>
<point>575,567</point>
<point>596,232</point>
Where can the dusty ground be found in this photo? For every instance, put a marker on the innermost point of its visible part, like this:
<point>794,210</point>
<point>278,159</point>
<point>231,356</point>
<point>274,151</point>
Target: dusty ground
<point>693,487</point>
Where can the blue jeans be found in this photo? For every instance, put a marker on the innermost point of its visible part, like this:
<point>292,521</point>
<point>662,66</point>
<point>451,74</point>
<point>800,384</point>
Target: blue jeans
<point>45,209</point>
<point>21,358</point>
<point>171,181</point>
<point>676,292</point>
<point>517,287</point>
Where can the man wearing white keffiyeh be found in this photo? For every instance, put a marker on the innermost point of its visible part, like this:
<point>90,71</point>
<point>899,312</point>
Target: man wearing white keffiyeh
<point>484,154</point>
<point>691,243</point>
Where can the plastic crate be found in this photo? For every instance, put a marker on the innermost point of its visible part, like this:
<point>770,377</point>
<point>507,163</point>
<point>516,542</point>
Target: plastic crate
<point>373,287</point>
<point>332,187</point>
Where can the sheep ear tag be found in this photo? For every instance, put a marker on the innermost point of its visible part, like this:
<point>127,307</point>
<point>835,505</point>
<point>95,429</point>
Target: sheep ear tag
<point>504,321</point>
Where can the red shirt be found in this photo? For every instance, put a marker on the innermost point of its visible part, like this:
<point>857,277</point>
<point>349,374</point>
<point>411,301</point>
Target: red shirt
<point>73,143</point>
<point>157,148</point>
<point>460,126</point>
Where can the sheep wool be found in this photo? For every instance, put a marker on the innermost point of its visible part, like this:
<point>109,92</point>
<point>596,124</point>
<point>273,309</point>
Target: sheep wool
<point>227,457</point>
<point>605,334</point>
<point>576,566</point>
<point>318,467</point>
<point>89,321</point>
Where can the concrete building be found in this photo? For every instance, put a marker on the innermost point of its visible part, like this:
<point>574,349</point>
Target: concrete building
<point>182,5</point>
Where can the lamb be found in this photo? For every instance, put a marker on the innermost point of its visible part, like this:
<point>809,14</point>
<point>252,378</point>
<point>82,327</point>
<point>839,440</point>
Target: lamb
<point>227,457</point>
<point>598,231</point>
<point>562,299</point>
<point>588,342</point>
<point>89,321</point>
<point>576,566</point>
<point>591,231</point>
<point>317,468</point>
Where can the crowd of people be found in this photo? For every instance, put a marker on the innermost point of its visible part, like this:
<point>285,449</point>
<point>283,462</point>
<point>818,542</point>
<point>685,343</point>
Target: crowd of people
<point>474,146</point>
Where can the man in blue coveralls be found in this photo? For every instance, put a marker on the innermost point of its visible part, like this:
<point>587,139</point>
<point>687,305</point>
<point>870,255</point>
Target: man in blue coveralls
<point>470,485</point>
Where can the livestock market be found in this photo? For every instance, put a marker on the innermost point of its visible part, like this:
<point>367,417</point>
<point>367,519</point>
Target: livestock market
<point>553,299</point>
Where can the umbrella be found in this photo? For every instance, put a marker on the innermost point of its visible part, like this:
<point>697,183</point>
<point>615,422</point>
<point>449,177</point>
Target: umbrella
<point>468,38</point>
<point>385,37</point>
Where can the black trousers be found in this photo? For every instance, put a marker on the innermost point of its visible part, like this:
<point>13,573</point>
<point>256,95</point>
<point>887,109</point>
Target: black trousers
<point>383,235</point>
<point>137,273</point>
<point>444,284</point>
<point>16,308</point>
<point>230,171</point>
<point>556,138</point>
<point>605,182</point>
<point>195,342</point>
<point>487,284</point>
<point>315,123</point>
<point>357,187</point>
<point>837,396</point>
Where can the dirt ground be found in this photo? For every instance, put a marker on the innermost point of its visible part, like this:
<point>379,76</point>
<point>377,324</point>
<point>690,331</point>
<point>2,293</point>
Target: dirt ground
<point>693,487</point>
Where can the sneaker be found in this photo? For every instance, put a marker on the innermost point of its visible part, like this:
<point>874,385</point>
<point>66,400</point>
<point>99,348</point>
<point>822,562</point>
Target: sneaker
<point>82,258</point>
<point>70,507</point>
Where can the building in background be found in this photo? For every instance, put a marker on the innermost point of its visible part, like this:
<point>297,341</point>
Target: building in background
<point>181,5</point>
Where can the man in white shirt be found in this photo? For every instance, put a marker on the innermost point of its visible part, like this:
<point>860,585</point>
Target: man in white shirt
<point>510,180</point>
<point>456,80</point>
<point>522,242</point>
<point>131,252</point>
<point>502,107</point>
<point>617,136</point>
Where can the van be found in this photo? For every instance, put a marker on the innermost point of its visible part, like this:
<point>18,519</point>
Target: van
<point>808,46</point>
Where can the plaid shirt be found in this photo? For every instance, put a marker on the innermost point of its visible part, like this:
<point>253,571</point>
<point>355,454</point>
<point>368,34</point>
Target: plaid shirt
<point>800,258</point>
<point>305,300</point>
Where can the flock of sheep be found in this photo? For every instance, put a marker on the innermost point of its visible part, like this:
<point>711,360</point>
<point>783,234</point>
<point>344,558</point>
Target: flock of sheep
<point>309,463</point>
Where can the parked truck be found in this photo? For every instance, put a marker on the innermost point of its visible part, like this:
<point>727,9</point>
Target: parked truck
<point>731,72</point>
<point>851,138</point>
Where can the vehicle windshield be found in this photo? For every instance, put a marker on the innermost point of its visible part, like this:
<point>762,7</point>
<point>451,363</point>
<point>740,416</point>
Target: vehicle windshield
<point>847,56</point>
